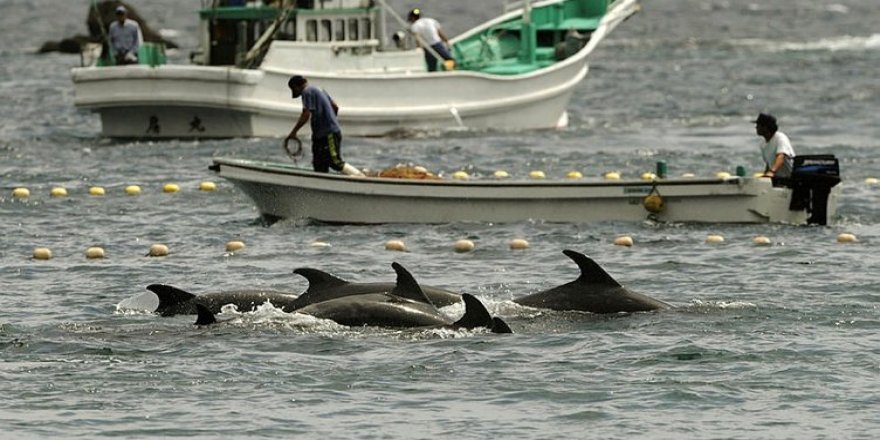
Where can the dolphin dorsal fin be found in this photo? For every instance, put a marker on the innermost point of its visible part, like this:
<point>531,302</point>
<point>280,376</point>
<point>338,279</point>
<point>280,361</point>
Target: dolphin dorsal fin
<point>499,326</point>
<point>407,287</point>
<point>205,316</point>
<point>169,296</point>
<point>591,272</point>
<point>475,314</point>
<point>320,283</point>
<point>318,279</point>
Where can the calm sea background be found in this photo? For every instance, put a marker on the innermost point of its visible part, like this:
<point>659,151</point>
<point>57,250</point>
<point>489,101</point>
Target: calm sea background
<point>778,341</point>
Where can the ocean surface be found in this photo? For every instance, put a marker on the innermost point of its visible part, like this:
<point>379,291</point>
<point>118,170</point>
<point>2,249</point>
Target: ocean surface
<point>770,342</point>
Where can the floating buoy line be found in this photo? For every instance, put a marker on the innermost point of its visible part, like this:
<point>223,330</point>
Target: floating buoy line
<point>653,203</point>
<point>461,246</point>
<point>23,193</point>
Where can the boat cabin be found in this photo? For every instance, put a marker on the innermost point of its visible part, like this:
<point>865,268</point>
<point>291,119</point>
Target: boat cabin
<point>532,36</point>
<point>238,32</point>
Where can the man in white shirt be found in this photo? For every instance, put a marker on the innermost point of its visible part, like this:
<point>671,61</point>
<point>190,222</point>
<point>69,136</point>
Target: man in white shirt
<point>429,34</point>
<point>776,150</point>
<point>125,38</point>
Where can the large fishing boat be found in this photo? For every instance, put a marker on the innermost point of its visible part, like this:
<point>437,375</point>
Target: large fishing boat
<point>283,191</point>
<point>516,71</point>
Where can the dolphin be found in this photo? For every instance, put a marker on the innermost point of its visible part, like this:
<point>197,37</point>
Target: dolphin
<point>324,286</point>
<point>174,301</point>
<point>593,291</point>
<point>406,305</point>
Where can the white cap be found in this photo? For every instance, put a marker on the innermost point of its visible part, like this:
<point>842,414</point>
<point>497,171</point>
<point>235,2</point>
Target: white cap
<point>120,9</point>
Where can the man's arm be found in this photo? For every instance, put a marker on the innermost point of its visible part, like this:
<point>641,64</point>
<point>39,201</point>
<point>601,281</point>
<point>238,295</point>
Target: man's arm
<point>776,165</point>
<point>140,38</point>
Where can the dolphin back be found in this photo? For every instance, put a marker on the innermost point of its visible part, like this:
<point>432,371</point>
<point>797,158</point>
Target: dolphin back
<point>171,299</point>
<point>593,291</point>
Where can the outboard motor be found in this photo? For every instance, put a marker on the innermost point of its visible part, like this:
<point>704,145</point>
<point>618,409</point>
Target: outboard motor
<point>811,181</point>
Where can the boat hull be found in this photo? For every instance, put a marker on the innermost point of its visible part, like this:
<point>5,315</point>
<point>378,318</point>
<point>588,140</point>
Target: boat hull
<point>284,192</point>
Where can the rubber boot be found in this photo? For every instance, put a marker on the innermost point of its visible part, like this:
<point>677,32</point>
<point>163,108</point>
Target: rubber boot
<point>349,170</point>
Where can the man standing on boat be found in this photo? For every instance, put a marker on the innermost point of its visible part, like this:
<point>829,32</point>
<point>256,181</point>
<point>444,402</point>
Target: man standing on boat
<point>125,38</point>
<point>776,150</point>
<point>321,110</point>
<point>429,34</point>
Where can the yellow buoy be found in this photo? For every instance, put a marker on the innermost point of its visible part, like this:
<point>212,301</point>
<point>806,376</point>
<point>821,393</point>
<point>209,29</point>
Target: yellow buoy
<point>94,252</point>
<point>58,192</point>
<point>501,174</point>
<point>536,174</point>
<point>42,253</point>
<point>171,188</point>
<point>395,245</point>
<point>761,240</point>
<point>846,238</point>
<point>158,250</point>
<point>649,176</point>
<point>132,190</point>
<point>320,244</point>
<point>460,175</point>
<point>464,246</point>
<point>871,181</point>
<point>234,246</point>
<point>623,240</point>
<point>519,244</point>
<point>574,175</point>
<point>653,203</point>
<point>722,175</point>
<point>714,239</point>
<point>207,186</point>
<point>21,193</point>
<point>96,191</point>
<point>612,175</point>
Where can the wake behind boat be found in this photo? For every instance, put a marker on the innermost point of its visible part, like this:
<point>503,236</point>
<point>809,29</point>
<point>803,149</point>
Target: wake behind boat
<point>517,71</point>
<point>282,191</point>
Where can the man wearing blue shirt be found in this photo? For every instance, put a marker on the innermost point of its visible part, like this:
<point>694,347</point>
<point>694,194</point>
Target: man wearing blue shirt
<point>321,110</point>
<point>125,38</point>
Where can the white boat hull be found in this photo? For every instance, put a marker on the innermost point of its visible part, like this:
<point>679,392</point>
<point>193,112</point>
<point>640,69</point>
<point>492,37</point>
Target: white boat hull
<point>284,192</point>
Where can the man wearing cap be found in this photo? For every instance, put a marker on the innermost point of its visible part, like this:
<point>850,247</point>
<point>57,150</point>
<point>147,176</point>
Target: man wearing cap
<point>776,150</point>
<point>429,34</point>
<point>321,110</point>
<point>125,38</point>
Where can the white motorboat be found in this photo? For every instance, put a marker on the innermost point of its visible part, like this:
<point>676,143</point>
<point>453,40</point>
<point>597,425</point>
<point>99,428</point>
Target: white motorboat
<point>282,191</point>
<point>517,71</point>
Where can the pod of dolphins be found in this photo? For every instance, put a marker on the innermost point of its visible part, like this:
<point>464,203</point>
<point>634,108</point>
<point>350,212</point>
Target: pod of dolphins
<point>407,304</point>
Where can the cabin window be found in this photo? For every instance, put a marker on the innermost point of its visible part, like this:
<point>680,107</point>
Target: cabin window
<point>288,31</point>
<point>339,30</point>
<point>325,30</point>
<point>366,29</point>
<point>353,33</point>
<point>312,30</point>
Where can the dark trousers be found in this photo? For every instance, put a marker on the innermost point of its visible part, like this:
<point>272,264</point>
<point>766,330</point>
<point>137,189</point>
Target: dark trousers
<point>431,60</point>
<point>326,153</point>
